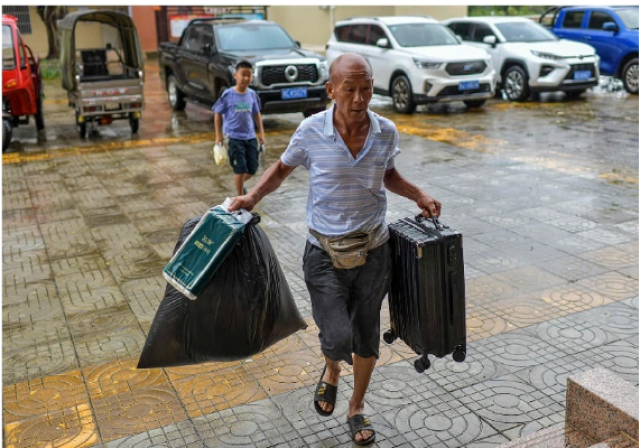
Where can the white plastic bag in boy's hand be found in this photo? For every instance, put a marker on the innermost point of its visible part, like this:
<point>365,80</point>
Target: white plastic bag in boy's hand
<point>219,154</point>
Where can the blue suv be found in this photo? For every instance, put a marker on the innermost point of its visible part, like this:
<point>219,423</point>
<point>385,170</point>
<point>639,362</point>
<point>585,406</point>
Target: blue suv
<point>611,30</point>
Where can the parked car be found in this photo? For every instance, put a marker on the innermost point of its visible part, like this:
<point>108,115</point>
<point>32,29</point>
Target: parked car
<point>416,60</point>
<point>528,57</point>
<point>611,30</point>
<point>106,82</point>
<point>21,82</point>
<point>200,66</point>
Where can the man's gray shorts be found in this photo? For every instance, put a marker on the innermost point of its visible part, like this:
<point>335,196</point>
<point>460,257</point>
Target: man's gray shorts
<point>346,302</point>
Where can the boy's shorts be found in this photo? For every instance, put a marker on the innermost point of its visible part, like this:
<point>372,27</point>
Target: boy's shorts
<point>243,156</point>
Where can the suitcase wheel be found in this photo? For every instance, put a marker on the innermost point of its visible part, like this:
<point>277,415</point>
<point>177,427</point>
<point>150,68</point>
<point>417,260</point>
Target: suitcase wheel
<point>459,354</point>
<point>389,336</point>
<point>421,364</point>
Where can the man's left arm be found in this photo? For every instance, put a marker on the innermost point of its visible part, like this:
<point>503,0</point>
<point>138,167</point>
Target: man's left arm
<point>396,183</point>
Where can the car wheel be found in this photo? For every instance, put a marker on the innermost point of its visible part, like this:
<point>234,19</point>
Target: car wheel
<point>134,123</point>
<point>630,76</point>
<point>574,93</point>
<point>402,95</point>
<point>474,103</point>
<point>176,97</point>
<point>307,113</point>
<point>39,116</point>
<point>516,83</point>
<point>7,131</point>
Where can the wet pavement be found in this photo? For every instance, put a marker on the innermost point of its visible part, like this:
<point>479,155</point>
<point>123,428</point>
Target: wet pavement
<point>544,192</point>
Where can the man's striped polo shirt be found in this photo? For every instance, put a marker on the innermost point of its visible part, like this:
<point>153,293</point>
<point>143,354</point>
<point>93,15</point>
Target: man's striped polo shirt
<point>345,194</point>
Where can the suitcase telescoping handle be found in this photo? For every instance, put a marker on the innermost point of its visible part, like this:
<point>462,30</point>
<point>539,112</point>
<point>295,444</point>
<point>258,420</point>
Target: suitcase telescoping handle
<point>420,218</point>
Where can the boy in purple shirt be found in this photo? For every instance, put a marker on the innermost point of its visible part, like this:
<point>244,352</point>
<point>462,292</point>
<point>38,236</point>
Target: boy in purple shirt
<point>240,108</point>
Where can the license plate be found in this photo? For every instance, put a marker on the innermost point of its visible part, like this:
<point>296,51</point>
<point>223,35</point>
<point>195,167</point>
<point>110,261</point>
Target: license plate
<point>469,85</point>
<point>111,106</point>
<point>293,93</point>
<point>580,75</point>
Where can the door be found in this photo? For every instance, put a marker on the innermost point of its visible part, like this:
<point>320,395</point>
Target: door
<point>570,26</point>
<point>378,58</point>
<point>604,42</point>
<point>187,61</point>
<point>27,105</point>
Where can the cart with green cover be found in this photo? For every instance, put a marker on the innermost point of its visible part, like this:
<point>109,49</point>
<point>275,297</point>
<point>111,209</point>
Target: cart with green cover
<point>102,68</point>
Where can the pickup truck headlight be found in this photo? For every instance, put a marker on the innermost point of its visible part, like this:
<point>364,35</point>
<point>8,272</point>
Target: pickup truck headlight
<point>422,63</point>
<point>324,69</point>
<point>542,55</point>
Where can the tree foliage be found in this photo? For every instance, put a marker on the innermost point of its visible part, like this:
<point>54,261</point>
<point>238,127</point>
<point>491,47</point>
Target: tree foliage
<point>503,10</point>
<point>50,16</point>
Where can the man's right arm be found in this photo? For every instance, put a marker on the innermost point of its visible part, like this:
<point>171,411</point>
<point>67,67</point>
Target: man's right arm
<point>269,182</point>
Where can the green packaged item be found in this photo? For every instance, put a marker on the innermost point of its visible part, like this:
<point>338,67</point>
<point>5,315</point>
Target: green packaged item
<point>196,261</point>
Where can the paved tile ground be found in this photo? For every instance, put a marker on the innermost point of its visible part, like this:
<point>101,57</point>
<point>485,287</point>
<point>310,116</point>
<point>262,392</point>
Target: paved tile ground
<point>551,252</point>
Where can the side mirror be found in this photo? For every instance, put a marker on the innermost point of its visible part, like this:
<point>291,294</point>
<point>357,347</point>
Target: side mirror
<point>610,26</point>
<point>491,40</point>
<point>383,42</point>
<point>298,44</point>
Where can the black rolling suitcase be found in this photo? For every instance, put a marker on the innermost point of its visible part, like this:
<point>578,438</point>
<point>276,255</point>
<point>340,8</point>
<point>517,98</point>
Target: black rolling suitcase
<point>426,296</point>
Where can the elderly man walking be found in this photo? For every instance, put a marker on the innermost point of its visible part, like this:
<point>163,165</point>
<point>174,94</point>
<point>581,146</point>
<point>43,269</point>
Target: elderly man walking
<point>350,154</point>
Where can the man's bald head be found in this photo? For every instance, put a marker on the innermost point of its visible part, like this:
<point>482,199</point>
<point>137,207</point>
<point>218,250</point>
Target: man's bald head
<point>347,62</point>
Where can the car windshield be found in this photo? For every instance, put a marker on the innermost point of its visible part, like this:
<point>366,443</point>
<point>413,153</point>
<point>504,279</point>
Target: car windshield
<point>423,35</point>
<point>8,55</point>
<point>524,32</point>
<point>629,17</point>
<point>252,37</point>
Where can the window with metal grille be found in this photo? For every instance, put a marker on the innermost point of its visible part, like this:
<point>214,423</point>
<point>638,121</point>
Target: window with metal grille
<point>22,14</point>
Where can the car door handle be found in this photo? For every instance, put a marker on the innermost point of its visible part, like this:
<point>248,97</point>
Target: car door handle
<point>587,37</point>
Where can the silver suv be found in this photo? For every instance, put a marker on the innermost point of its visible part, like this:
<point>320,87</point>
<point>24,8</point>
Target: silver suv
<point>416,60</point>
<point>528,57</point>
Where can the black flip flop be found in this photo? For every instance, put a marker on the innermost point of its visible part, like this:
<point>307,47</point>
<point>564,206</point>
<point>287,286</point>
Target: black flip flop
<point>325,392</point>
<point>360,422</point>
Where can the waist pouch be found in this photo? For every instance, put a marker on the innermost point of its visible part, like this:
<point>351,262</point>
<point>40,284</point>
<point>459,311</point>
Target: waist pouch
<point>347,251</point>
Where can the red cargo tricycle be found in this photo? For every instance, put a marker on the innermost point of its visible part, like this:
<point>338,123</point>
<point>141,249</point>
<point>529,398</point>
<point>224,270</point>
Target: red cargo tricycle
<point>21,82</point>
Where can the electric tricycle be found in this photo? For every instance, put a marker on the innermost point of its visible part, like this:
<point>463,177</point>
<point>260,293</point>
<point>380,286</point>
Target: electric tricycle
<point>21,82</point>
<point>102,68</point>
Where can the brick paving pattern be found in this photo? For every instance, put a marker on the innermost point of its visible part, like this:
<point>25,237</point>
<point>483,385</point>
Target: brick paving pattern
<point>551,252</point>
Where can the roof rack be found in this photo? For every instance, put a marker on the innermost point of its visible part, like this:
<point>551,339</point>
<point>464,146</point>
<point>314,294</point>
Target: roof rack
<point>213,18</point>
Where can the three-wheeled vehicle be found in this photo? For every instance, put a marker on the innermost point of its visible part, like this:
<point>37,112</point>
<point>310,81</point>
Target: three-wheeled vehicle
<point>102,68</point>
<point>21,82</point>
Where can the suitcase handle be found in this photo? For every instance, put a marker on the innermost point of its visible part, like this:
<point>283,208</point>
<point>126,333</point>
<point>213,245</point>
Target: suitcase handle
<point>420,218</point>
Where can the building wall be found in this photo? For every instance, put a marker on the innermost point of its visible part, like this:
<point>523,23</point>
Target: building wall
<point>309,25</point>
<point>312,25</point>
<point>145,19</point>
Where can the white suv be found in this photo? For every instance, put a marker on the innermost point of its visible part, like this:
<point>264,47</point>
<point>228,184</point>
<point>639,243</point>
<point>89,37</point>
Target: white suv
<point>416,60</point>
<point>528,57</point>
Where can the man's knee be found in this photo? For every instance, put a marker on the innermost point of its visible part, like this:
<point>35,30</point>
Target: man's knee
<point>337,344</point>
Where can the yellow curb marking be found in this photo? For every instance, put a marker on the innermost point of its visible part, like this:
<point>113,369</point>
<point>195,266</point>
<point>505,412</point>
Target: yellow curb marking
<point>17,157</point>
<point>454,137</point>
<point>616,179</point>
<point>74,428</point>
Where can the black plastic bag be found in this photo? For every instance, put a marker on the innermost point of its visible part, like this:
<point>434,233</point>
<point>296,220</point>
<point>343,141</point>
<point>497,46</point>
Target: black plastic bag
<point>246,307</point>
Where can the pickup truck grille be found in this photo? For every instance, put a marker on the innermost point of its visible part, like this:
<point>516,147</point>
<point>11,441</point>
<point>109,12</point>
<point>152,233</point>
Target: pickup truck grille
<point>275,74</point>
<point>466,68</point>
